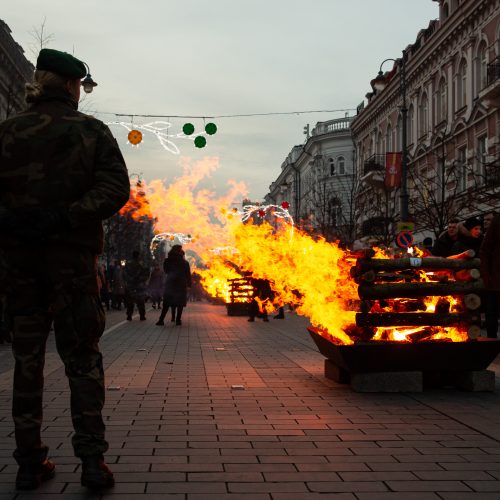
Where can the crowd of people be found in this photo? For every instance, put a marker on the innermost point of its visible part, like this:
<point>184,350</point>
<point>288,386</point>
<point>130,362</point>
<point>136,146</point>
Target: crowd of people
<point>483,237</point>
<point>132,284</point>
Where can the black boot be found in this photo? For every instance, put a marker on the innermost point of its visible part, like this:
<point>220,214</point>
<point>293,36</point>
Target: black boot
<point>31,476</point>
<point>96,475</point>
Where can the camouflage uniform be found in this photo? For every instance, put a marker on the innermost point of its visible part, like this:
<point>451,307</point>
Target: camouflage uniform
<point>54,158</point>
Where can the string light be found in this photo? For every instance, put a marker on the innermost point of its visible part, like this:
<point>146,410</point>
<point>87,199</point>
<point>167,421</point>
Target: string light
<point>160,130</point>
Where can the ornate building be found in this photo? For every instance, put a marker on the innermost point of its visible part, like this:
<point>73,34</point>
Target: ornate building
<point>447,84</point>
<point>15,71</point>
<point>316,180</point>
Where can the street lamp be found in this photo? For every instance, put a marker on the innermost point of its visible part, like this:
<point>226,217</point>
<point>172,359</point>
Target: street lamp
<point>87,83</point>
<point>379,84</point>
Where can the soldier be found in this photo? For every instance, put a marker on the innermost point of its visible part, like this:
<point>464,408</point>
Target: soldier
<point>61,174</point>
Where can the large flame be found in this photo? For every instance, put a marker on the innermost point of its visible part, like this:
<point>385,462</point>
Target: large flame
<point>309,273</point>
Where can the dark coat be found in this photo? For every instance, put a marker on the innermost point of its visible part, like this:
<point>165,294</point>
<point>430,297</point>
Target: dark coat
<point>443,245</point>
<point>177,281</point>
<point>489,254</point>
<point>466,242</point>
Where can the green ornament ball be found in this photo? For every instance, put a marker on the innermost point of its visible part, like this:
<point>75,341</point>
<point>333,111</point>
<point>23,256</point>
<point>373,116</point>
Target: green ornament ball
<point>210,128</point>
<point>188,128</point>
<point>200,142</point>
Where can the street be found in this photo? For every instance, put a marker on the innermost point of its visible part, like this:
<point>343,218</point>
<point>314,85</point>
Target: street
<point>222,408</point>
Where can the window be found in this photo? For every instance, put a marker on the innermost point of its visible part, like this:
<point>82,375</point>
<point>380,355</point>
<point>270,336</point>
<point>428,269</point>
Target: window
<point>335,212</point>
<point>399,131</point>
<point>461,173</point>
<point>442,96</point>
<point>341,165</point>
<point>422,115</point>
<point>409,126</point>
<point>331,162</point>
<point>462,85</point>
<point>482,150</point>
<point>480,69</point>
<point>378,139</point>
<point>388,139</point>
<point>445,11</point>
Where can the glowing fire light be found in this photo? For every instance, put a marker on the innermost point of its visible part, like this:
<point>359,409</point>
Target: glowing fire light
<point>310,273</point>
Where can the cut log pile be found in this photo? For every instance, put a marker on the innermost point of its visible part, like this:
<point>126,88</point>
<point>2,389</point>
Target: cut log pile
<point>392,293</point>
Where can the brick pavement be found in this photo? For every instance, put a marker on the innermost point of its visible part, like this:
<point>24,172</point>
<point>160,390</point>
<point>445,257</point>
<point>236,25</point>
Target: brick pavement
<point>180,427</point>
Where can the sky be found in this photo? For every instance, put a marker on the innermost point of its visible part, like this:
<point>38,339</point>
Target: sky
<point>222,57</point>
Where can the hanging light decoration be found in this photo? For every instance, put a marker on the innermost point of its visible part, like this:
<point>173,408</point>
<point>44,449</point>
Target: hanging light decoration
<point>200,141</point>
<point>134,137</point>
<point>210,128</point>
<point>188,128</point>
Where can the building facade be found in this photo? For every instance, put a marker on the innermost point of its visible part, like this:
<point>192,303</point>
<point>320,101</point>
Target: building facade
<point>447,84</point>
<point>316,180</point>
<point>15,71</point>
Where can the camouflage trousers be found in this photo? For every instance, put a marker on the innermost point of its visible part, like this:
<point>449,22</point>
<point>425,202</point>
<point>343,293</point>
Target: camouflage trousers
<point>58,286</point>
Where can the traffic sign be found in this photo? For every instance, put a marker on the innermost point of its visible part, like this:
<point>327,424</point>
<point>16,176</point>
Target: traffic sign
<point>405,226</point>
<point>404,239</point>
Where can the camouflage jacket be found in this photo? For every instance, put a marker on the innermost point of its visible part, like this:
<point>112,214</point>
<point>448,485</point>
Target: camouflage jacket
<point>52,156</point>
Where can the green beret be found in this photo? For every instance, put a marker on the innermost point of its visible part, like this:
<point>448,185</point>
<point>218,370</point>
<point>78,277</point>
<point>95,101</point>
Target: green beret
<point>61,63</point>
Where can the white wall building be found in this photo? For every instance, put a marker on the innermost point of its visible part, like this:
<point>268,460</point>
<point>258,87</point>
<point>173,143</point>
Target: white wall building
<point>316,180</point>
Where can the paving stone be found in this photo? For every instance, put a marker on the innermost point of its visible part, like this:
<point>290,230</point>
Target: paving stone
<point>177,430</point>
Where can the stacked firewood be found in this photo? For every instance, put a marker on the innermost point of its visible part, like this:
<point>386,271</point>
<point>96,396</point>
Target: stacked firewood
<point>392,293</point>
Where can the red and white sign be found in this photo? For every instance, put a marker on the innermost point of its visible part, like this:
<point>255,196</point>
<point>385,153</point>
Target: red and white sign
<point>392,170</point>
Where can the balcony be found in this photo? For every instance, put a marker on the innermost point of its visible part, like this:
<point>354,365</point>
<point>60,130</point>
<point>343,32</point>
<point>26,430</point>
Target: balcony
<point>374,171</point>
<point>490,95</point>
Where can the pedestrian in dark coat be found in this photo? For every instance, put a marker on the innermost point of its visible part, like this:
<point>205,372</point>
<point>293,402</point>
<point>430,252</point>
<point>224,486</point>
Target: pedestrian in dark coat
<point>444,243</point>
<point>262,293</point>
<point>489,254</point>
<point>177,282</point>
<point>61,174</point>
<point>135,275</point>
<point>469,236</point>
<point>156,286</point>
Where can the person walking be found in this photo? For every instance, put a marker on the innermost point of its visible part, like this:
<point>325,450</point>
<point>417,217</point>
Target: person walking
<point>177,282</point>
<point>156,285</point>
<point>136,276</point>
<point>117,286</point>
<point>262,294</point>
<point>61,174</point>
<point>489,254</point>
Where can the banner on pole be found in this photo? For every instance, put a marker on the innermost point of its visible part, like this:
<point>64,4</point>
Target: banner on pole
<point>392,170</point>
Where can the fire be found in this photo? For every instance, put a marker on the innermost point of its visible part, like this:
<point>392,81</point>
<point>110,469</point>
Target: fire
<point>137,205</point>
<point>312,274</point>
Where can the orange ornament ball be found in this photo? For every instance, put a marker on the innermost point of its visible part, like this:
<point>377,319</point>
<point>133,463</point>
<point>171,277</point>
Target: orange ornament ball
<point>135,137</point>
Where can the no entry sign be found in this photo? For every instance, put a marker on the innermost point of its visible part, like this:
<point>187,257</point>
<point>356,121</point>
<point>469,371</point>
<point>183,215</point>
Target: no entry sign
<point>404,239</point>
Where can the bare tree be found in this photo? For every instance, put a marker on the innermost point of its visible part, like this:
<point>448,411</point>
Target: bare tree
<point>442,189</point>
<point>40,38</point>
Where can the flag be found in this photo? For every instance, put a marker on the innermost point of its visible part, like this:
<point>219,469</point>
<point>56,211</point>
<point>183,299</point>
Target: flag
<point>392,170</point>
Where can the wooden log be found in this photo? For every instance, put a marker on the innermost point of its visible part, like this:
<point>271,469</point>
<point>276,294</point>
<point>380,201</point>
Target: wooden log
<point>400,290</point>
<point>428,263</point>
<point>474,331</point>
<point>468,254</point>
<point>467,275</point>
<point>472,301</point>
<point>373,277</point>
<point>413,319</point>
<point>442,306</point>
